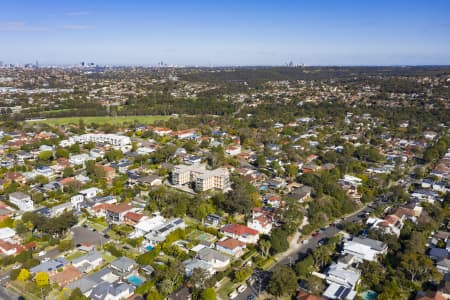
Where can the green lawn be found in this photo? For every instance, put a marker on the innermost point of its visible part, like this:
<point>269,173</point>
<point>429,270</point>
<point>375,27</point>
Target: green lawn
<point>102,120</point>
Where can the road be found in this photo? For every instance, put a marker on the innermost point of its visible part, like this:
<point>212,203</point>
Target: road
<point>299,253</point>
<point>7,294</point>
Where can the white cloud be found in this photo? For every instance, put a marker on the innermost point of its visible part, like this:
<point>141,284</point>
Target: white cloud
<point>20,26</point>
<point>78,27</point>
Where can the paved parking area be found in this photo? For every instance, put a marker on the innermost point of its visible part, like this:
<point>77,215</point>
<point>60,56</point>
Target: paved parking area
<point>86,235</point>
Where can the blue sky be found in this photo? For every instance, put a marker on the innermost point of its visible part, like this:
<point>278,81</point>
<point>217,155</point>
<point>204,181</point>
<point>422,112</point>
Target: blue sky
<point>245,32</point>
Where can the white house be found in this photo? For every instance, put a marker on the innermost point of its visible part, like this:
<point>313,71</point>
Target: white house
<point>79,159</point>
<point>22,201</point>
<point>365,248</point>
<point>342,282</point>
<point>218,260</point>
<point>90,193</point>
<point>191,264</point>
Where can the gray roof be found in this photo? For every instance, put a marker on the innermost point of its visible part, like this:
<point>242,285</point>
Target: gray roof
<point>123,263</point>
<point>104,289</point>
<point>97,277</point>
<point>19,195</point>
<point>374,244</point>
<point>50,265</point>
<point>208,254</point>
<point>85,284</point>
<point>90,256</point>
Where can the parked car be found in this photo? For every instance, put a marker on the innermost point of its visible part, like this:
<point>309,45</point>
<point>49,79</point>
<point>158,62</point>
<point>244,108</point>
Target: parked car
<point>321,242</point>
<point>241,288</point>
<point>233,295</point>
<point>315,234</point>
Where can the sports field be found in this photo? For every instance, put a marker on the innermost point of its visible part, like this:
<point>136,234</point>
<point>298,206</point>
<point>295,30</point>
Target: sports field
<point>101,120</point>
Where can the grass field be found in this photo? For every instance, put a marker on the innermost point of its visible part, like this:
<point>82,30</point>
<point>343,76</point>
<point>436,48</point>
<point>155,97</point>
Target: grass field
<point>101,120</point>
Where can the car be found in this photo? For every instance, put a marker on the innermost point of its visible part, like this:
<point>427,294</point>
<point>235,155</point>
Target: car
<point>42,253</point>
<point>94,230</point>
<point>333,224</point>
<point>251,297</point>
<point>241,288</point>
<point>315,234</point>
<point>321,242</point>
<point>15,267</point>
<point>106,236</point>
<point>233,295</point>
<point>84,225</point>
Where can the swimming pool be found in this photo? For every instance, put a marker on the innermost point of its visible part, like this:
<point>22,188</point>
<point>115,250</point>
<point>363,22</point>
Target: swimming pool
<point>369,295</point>
<point>135,280</point>
<point>149,248</point>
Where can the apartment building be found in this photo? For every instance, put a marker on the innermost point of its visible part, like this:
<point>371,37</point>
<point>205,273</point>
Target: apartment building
<point>112,139</point>
<point>201,178</point>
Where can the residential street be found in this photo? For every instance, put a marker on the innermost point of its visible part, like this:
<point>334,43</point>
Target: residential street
<point>295,252</point>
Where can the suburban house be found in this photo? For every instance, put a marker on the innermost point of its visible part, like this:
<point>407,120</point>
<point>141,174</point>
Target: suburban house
<point>159,234</point>
<point>123,265</point>
<point>365,248</point>
<point>191,264</point>
<point>112,291</point>
<point>342,282</point>
<point>115,213</point>
<point>50,266</point>
<point>260,221</point>
<point>241,232</point>
<point>22,201</point>
<point>218,260</point>
<point>88,261</point>
<point>66,276</point>
<point>231,247</point>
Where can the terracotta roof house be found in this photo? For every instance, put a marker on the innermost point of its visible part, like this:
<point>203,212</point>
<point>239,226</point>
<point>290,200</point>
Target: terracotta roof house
<point>231,247</point>
<point>68,275</point>
<point>303,295</point>
<point>241,232</point>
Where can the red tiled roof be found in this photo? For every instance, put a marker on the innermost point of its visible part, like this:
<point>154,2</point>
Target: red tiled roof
<point>230,243</point>
<point>135,217</point>
<point>238,229</point>
<point>119,208</point>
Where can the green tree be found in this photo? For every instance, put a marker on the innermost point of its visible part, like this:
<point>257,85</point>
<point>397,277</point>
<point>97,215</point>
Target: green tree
<point>77,295</point>
<point>282,282</point>
<point>315,285</point>
<point>208,294</point>
<point>114,155</point>
<point>61,152</point>
<point>45,155</point>
<point>68,172</point>
<point>278,240</point>
<point>322,256</point>
<point>264,247</point>
<point>305,267</point>
<point>154,295</point>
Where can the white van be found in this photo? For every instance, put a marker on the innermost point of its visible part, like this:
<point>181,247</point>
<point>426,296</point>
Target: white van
<point>233,295</point>
<point>241,288</point>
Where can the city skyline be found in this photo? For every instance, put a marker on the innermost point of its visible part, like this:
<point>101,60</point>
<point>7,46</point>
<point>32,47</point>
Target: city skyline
<point>232,33</point>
